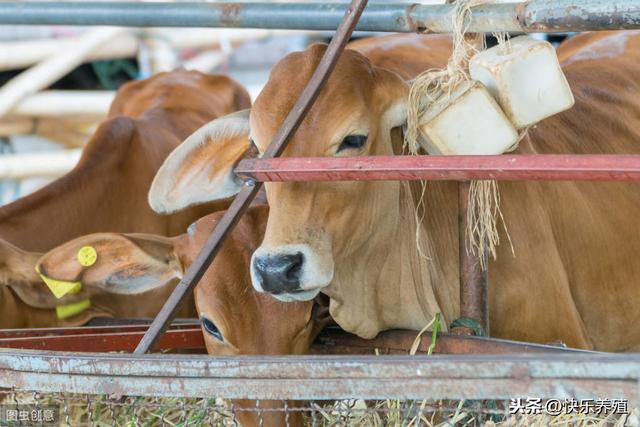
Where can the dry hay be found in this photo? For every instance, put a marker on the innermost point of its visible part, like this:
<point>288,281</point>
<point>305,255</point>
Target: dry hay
<point>99,410</point>
<point>462,413</point>
<point>102,411</point>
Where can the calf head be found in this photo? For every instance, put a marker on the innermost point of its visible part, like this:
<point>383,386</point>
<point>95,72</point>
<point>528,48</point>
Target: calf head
<point>235,319</point>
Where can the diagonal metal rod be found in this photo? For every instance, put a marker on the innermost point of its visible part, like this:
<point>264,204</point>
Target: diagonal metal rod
<point>245,197</point>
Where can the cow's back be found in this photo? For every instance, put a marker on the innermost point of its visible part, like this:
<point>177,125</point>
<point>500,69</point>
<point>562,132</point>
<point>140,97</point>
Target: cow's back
<point>182,100</point>
<point>107,191</point>
<point>406,54</point>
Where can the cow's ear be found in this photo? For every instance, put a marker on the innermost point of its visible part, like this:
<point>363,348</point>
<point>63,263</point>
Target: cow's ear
<point>200,169</point>
<point>115,263</point>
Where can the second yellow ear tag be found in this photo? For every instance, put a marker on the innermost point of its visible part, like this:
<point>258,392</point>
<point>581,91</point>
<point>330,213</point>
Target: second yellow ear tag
<point>87,256</point>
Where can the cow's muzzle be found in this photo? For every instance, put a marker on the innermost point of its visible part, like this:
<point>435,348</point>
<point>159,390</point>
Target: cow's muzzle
<point>293,272</point>
<point>278,274</point>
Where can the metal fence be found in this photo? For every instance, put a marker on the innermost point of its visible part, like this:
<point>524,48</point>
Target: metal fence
<point>326,377</point>
<point>418,382</point>
<point>327,390</point>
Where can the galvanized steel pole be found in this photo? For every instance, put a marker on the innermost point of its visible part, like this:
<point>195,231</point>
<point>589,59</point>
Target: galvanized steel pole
<point>325,377</point>
<point>531,16</point>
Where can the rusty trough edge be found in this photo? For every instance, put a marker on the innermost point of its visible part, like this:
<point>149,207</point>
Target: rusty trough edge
<point>326,377</point>
<point>336,341</point>
<point>143,325</point>
<point>174,339</point>
<point>242,201</point>
<point>330,341</point>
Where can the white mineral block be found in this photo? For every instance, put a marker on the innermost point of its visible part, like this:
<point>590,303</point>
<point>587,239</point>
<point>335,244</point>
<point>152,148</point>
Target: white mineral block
<point>471,122</point>
<point>526,79</point>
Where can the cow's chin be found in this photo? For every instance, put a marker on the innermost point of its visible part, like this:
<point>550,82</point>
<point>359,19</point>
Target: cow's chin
<point>298,296</point>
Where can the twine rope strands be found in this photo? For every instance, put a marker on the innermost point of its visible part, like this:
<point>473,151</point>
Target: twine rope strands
<point>433,88</point>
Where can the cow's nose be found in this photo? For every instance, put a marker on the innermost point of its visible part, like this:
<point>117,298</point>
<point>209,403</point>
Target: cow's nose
<point>279,273</point>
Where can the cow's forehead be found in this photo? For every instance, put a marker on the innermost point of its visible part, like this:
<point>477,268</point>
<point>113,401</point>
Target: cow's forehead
<point>348,89</point>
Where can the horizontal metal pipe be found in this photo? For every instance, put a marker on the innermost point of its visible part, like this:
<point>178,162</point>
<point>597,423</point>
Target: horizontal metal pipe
<point>325,377</point>
<point>60,103</point>
<point>53,164</point>
<point>531,16</point>
<point>549,167</point>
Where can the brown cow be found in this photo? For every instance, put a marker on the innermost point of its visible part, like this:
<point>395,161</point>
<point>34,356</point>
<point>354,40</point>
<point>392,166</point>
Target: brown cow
<point>235,318</point>
<point>574,271</point>
<point>107,191</point>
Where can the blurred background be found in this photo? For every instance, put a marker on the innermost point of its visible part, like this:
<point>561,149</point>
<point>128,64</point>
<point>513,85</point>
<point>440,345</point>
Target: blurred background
<point>48,110</point>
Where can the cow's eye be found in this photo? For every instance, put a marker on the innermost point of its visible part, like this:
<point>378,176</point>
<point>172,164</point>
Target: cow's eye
<point>211,329</point>
<point>352,142</point>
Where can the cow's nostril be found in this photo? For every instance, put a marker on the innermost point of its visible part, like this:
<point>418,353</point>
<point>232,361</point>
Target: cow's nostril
<point>293,273</point>
<point>279,273</point>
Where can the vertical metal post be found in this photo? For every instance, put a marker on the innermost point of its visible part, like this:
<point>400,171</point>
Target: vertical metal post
<point>474,301</point>
<point>474,286</point>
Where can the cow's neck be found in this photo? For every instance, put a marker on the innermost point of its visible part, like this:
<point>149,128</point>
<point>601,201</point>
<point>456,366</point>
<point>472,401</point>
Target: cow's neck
<point>426,253</point>
<point>394,282</point>
<point>422,264</point>
<point>439,235</point>
<point>17,270</point>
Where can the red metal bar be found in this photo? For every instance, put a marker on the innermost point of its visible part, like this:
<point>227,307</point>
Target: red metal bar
<point>606,167</point>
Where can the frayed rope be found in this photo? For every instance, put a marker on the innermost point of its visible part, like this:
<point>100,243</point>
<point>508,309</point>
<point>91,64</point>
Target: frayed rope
<point>434,87</point>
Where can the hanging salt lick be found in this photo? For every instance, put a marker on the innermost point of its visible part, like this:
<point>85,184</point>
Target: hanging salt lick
<point>467,121</point>
<point>526,79</point>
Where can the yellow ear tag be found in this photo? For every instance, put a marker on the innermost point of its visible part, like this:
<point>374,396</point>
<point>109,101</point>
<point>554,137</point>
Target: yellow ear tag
<point>87,256</point>
<point>68,310</point>
<point>60,288</point>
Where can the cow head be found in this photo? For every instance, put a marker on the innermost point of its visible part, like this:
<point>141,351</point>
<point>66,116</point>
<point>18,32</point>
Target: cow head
<point>315,228</point>
<point>341,238</point>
